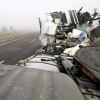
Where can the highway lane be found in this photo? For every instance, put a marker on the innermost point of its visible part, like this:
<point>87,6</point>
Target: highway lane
<point>12,52</point>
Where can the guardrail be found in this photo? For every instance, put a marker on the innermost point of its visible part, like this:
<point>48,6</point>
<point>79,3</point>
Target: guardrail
<point>7,39</point>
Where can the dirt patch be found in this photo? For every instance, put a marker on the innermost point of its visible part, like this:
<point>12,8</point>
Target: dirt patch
<point>9,34</point>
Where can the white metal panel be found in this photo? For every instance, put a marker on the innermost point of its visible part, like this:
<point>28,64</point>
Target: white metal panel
<point>57,21</point>
<point>73,17</point>
<point>43,65</point>
<point>76,33</point>
<point>48,26</point>
<point>48,30</point>
<point>68,18</point>
<point>46,17</point>
<point>76,16</point>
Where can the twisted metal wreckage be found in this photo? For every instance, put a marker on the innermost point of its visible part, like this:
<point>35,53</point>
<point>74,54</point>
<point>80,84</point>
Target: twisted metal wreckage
<point>67,67</point>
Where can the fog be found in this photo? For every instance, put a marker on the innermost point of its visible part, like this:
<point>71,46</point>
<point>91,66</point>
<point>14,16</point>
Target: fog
<point>24,14</point>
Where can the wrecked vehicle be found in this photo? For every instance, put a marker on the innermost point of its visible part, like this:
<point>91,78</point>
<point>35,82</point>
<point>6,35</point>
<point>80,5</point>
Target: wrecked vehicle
<point>66,68</point>
<point>67,30</point>
<point>59,77</point>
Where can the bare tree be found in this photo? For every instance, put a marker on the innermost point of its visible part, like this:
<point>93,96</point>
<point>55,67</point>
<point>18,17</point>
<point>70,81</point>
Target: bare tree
<point>11,28</point>
<point>4,28</point>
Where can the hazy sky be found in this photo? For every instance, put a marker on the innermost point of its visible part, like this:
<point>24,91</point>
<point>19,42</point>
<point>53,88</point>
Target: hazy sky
<point>25,13</point>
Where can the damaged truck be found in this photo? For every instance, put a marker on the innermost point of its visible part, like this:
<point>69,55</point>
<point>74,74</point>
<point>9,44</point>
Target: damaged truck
<point>67,67</point>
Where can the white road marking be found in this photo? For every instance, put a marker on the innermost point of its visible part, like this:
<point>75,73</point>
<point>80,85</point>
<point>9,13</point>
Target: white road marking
<point>1,61</point>
<point>32,40</point>
<point>13,40</point>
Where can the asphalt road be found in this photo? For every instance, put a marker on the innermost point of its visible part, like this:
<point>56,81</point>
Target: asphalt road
<point>12,52</point>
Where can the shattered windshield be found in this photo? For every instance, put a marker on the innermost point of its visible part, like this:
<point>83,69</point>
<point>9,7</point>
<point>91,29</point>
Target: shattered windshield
<point>56,15</point>
<point>60,16</point>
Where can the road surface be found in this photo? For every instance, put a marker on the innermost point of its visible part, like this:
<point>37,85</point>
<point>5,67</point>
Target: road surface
<point>13,51</point>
